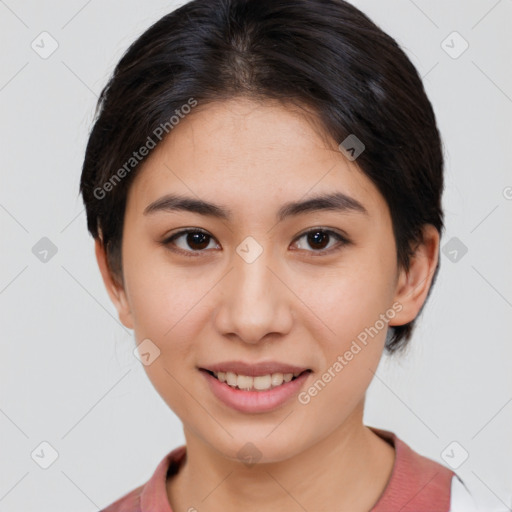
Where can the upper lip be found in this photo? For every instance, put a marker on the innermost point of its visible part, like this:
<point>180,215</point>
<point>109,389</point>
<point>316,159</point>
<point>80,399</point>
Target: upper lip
<point>254,369</point>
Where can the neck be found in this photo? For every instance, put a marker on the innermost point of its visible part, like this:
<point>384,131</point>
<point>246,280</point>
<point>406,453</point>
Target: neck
<point>346,471</point>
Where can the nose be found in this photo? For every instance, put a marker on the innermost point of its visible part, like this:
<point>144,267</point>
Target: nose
<point>255,303</point>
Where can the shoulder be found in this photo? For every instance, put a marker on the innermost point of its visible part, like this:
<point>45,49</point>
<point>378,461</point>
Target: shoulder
<point>153,494</point>
<point>417,483</point>
<point>130,502</point>
<point>420,484</point>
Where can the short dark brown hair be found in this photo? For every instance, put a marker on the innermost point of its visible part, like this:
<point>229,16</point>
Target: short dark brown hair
<point>325,55</point>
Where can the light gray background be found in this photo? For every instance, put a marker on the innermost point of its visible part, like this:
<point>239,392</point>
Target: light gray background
<point>68,375</point>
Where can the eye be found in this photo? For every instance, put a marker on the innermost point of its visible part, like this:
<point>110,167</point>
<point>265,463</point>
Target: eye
<point>319,239</point>
<point>194,239</point>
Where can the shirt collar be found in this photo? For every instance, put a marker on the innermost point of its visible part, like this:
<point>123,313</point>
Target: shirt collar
<point>415,481</point>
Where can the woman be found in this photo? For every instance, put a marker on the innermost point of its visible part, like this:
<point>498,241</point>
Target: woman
<point>263,182</point>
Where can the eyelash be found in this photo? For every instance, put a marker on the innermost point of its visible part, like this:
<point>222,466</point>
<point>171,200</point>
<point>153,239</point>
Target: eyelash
<point>342,241</point>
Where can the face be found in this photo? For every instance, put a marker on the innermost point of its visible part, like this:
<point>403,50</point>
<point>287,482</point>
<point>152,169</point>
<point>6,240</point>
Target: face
<point>312,287</point>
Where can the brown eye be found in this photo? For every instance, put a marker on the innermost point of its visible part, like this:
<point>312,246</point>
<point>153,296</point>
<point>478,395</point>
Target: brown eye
<point>319,240</point>
<point>197,240</point>
<point>194,241</point>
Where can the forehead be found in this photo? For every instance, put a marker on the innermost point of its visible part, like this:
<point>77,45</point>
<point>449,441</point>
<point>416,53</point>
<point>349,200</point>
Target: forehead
<point>246,154</point>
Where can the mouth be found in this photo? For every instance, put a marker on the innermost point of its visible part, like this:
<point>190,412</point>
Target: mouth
<point>257,383</point>
<point>256,387</point>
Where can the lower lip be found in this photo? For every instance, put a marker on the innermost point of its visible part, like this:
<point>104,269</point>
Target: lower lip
<point>255,401</point>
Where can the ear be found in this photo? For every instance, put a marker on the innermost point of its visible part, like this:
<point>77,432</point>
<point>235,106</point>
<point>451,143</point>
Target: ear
<point>413,285</point>
<point>115,290</point>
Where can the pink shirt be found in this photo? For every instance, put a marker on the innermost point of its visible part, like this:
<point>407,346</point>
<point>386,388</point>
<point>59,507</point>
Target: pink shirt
<point>417,484</point>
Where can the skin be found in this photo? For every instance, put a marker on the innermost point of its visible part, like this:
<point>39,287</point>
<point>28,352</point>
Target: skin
<point>288,305</point>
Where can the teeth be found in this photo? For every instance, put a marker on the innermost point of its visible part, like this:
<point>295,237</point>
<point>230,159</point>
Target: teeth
<point>260,383</point>
<point>244,382</point>
<point>231,379</point>
<point>276,379</point>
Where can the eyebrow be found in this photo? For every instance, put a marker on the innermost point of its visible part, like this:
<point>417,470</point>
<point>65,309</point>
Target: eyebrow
<point>337,201</point>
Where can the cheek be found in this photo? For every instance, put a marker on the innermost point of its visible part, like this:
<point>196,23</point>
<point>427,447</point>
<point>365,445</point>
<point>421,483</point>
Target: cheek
<point>354,302</point>
<point>350,298</point>
<point>163,297</point>
<point>166,307</point>
<point>351,305</point>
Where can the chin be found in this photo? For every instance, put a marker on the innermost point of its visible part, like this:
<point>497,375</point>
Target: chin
<point>257,447</point>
